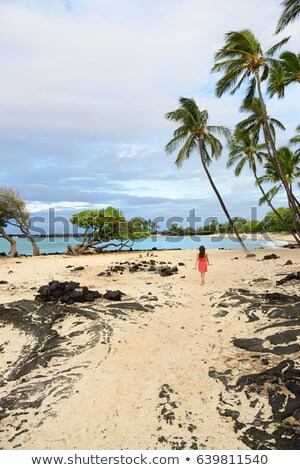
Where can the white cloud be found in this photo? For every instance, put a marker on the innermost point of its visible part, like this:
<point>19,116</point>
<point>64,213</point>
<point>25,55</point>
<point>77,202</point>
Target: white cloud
<point>39,206</point>
<point>134,151</point>
<point>112,69</point>
<point>85,84</point>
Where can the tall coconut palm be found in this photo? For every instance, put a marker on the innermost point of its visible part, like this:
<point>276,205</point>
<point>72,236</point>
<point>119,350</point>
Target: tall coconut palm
<point>241,60</point>
<point>283,73</point>
<point>290,12</point>
<point>290,162</point>
<point>194,134</point>
<point>244,151</point>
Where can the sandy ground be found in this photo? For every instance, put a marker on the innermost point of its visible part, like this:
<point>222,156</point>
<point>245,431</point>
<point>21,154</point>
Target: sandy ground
<point>116,403</point>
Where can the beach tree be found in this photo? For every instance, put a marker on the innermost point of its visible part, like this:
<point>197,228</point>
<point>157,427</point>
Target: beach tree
<point>104,229</point>
<point>246,151</point>
<point>241,60</point>
<point>195,135</point>
<point>3,233</point>
<point>284,72</point>
<point>14,212</point>
<point>291,10</point>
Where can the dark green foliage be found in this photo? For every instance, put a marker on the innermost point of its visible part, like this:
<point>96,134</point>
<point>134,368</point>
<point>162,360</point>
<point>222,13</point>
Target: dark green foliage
<point>272,223</point>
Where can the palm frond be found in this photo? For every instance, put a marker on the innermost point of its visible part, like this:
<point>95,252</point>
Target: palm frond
<point>250,93</point>
<point>291,61</point>
<point>277,124</point>
<point>270,52</point>
<point>296,138</point>
<point>240,166</point>
<point>181,115</point>
<point>244,76</point>
<point>215,145</point>
<point>276,84</point>
<point>245,39</point>
<point>228,80</point>
<point>265,73</point>
<point>269,195</point>
<point>207,158</point>
<point>185,152</point>
<point>221,131</point>
<point>227,65</point>
<point>289,14</point>
<point>176,142</point>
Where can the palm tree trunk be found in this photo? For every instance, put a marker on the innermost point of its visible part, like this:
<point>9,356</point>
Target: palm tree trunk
<point>13,245</point>
<point>273,208</point>
<point>245,249</point>
<point>294,204</point>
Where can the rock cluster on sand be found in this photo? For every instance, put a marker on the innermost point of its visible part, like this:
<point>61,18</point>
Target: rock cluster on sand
<point>66,292</point>
<point>161,268</point>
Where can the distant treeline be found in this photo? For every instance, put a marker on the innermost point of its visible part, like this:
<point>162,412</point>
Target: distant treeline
<point>270,223</point>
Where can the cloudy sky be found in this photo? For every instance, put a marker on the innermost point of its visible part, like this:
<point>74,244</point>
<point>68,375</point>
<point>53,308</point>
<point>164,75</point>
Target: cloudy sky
<point>85,84</point>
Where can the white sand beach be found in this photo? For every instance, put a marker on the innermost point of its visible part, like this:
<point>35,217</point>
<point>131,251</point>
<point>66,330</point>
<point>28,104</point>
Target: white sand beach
<point>152,380</point>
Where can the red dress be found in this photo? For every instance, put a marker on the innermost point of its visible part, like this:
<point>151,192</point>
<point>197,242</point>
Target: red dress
<point>202,264</point>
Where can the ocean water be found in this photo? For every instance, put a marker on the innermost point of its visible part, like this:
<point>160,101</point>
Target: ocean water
<point>59,245</point>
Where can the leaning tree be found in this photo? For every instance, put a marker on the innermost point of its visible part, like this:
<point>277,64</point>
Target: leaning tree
<point>104,229</point>
<point>194,134</point>
<point>14,212</point>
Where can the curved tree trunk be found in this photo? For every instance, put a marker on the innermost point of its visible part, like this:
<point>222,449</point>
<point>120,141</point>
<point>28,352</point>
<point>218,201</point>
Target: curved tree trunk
<point>245,249</point>
<point>274,210</point>
<point>79,249</point>
<point>84,248</point>
<point>13,245</point>
<point>35,247</point>
<point>293,202</point>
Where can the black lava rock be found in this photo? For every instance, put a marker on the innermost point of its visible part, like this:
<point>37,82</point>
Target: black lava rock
<point>66,292</point>
<point>115,295</point>
<point>272,256</point>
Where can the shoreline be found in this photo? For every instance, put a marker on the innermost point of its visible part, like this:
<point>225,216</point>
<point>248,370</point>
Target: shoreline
<point>283,236</point>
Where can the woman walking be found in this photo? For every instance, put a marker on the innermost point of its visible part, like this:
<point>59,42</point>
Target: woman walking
<point>202,262</point>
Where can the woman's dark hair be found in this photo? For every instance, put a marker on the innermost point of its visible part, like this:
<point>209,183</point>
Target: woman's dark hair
<point>201,251</point>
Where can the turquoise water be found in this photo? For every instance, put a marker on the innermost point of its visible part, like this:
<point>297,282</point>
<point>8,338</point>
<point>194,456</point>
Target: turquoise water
<point>59,245</point>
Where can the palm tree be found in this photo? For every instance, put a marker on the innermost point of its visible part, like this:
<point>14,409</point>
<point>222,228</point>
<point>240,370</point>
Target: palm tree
<point>283,73</point>
<point>241,60</point>
<point>194,134</point>
<point>244,151</point>
<point>290,162</point>
<point>253,124</point>
<point>289,14</point>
